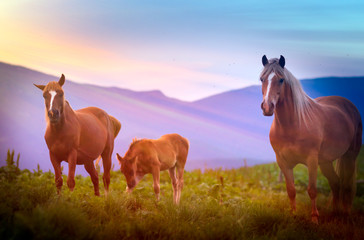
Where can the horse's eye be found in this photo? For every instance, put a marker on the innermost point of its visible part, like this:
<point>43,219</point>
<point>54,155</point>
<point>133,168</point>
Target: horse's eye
<point>45,95</point>
<point>281,80</point>
<point>261,79</point>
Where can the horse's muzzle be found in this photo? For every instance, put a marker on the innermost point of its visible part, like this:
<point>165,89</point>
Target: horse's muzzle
<point>267,108</point>
<point>53,115</point>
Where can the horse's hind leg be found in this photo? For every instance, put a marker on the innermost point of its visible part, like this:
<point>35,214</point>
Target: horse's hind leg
<point>106,162</point>
<point>328,171</point>
<point>90,168</point>
<point>346,168</point>
<point>180,170</point>
<point>172,174</point>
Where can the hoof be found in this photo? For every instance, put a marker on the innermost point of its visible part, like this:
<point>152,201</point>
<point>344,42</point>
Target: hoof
<point>314,219</point>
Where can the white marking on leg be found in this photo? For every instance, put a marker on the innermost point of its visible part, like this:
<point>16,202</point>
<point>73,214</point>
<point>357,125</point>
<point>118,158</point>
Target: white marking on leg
<point>270,77</point>
<point>53,94</point>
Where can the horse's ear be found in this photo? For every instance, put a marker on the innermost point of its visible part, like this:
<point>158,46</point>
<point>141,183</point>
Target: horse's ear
<point>120,159</point>
<point>264,60</point>
<point>282,61</point>
<point>41,87</point>
<point>61,80</point>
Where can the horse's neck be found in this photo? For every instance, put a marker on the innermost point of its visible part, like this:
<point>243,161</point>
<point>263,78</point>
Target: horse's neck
<point>285,112</point>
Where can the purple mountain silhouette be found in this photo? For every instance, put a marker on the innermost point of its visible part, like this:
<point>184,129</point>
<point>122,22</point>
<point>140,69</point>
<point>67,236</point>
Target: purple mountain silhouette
<point>222,129</point>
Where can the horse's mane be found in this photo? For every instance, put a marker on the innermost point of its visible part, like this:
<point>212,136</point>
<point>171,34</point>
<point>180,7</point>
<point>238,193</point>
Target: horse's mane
<point>133,149</point>
<point>301,101</point>
<point>135,141</point>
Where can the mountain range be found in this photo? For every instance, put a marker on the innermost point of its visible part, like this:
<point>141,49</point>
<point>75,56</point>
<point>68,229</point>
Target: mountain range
<point>223,129</point>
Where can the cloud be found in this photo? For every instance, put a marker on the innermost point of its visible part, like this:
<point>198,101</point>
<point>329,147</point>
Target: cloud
<point>187,49</point>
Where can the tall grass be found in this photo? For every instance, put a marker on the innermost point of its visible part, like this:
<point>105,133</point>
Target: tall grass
<point>244,203</point>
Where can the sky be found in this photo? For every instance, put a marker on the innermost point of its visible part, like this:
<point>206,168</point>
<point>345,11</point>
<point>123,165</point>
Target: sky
<point>187,49</point>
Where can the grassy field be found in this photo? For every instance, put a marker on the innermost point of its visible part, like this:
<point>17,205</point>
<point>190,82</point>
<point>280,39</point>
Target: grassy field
<point>244,203</point>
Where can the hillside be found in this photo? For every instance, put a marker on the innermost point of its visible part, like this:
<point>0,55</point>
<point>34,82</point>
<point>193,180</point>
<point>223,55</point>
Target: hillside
<point>223,129</point>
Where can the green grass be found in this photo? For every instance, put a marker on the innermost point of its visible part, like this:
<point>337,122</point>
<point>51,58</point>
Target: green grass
<point>244,203</point>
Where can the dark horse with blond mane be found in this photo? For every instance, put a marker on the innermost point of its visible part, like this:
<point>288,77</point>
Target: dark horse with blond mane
<point>314,132</point>
<point>77,137</point>
<point>152,156</point>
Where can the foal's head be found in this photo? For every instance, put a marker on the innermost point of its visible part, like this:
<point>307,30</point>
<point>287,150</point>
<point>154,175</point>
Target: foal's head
<point>128,168</point>
<point>273,80</point>
<point>53,98</point>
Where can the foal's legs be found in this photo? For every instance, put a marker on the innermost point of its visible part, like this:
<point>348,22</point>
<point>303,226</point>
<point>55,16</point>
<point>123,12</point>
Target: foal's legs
<point>180,171</point>
<point>312,164</point>
<point>57,172</point>
<point>72,160</point>
<point>172,174</point>
<point>328,171</point>
<point>90,168</point>
<point>156,175</point>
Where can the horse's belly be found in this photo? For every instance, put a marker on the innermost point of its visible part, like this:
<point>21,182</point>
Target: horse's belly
<point>83,158</point>
<point>332,150</point>
<point>167,162</point>
<point>293,151</point>
<point>90,150</point>
<point>292,157</point>
<point>93,140</point>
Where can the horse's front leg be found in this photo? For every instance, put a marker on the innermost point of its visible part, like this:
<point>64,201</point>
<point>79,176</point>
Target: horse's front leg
<point>72,160</point>
<point>57,172</point>
<point>291,190</point>
<point>90,168</point>
<point>312,165</point>
<point>156,175</point>
<point>288,175</point>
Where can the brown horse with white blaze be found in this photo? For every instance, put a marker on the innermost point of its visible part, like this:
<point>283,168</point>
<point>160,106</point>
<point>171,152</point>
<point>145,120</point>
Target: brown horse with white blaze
<point>77,137</point>
<point>144,156</point>
<point>314,132</point>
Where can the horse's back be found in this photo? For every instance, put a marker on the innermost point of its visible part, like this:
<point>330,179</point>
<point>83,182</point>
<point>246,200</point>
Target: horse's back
<point>108,121</point>
<point>341,105</point>
<point>179,143</point>
<point>93,112</point>
<point>171,148</point>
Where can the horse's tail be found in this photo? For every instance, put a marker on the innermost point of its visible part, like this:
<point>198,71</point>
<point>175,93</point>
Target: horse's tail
<point>186,143</point>
<point>116,125</point>
<point>346,168</point>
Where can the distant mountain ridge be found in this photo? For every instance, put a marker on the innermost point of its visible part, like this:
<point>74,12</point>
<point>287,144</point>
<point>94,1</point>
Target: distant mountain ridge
<point>223,129</point>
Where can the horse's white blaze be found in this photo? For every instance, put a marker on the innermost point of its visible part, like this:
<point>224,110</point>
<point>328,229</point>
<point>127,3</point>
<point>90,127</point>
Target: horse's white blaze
<point>53,94</point>
<point>270,77</point>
